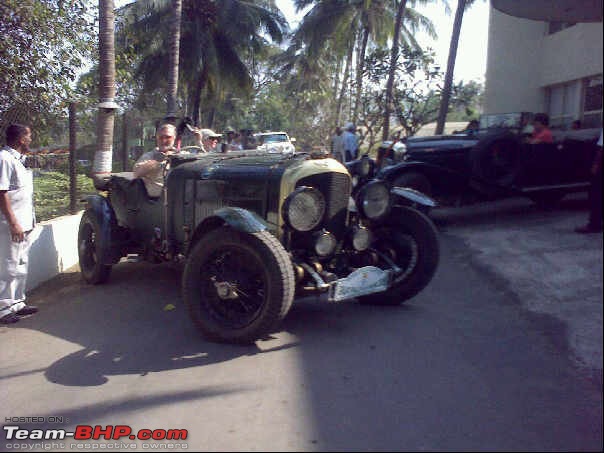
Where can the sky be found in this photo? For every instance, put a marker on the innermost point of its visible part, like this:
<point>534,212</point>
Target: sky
<point>472,49</point>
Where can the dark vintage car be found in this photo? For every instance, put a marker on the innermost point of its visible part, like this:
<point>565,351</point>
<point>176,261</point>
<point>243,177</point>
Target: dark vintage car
<point>493,162</point>
<point>255,230</point>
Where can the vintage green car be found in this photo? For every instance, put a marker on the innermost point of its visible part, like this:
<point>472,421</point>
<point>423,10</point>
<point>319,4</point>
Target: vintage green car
<point>255,230</point>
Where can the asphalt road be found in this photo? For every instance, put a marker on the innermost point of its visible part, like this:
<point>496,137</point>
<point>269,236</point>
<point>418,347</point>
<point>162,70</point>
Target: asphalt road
<point>467,365</point>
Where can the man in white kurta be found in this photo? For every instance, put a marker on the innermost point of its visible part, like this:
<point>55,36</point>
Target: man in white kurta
<point>17,219</point>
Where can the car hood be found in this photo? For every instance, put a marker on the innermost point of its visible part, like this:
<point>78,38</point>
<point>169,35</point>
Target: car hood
<point>216,166</point>
<point>440,142</point>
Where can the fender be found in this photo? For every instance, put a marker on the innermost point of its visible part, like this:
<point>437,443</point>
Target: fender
<point>100,208</point>
<point>414,196</point>
<point>390,173</point>
<point>241,219</point>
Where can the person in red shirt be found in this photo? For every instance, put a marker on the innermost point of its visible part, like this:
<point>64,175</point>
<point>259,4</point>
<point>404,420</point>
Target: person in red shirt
<point>541,132</point>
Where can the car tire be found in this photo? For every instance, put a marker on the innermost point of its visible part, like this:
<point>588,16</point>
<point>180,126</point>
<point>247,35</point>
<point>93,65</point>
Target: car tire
<point>90,247</point>
<point>416,181</point>
<point>411,241</point>
<point>237,286</point>
<point>497,161</point>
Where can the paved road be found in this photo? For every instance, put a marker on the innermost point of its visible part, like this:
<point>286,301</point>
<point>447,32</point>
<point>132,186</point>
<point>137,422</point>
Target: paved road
<point>465,366</point>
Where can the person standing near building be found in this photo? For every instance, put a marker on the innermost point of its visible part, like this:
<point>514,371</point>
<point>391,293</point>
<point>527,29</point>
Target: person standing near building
<point>594,224</point>
<point>17,220</point>
<point>351,142</point>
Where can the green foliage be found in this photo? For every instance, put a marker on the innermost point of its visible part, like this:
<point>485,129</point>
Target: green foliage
<point>51,193</point>
<point>44,44</point>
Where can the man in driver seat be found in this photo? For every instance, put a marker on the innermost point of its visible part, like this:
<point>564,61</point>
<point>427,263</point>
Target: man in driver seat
<point>150,166</point>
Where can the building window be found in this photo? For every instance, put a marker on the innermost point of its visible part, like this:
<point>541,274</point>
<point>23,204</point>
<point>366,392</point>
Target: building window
<point>555,27</point>
<point>592,102</point>
<point>576,100</point>
<point>564,104</point>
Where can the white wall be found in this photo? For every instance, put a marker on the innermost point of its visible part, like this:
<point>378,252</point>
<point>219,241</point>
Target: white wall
<point>522,59</point>
<point>571,54</point>
<point>54,248</point>
<point>513,74</point>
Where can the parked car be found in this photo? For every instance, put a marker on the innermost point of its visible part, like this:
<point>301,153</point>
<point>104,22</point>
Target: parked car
<point>255,230</point>
<point>275,142</point>
<point>494,162</point>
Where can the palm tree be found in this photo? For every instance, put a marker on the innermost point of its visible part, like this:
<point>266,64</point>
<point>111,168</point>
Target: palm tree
<point>216,38</point>
<point>105,122</point>
<point>446,92</point>
<point>338,26</point>
<point>400,12</point>
<point>174,60</point>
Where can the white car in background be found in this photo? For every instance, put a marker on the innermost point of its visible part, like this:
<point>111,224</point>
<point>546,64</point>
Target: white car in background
<point>275,142</point>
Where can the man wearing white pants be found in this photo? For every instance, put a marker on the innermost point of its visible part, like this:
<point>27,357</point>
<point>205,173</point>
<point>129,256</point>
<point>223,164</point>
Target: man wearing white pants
<point>17,219</point>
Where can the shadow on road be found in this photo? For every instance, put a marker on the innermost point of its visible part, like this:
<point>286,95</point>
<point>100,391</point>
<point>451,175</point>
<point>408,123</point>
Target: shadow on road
<point>125,326</point>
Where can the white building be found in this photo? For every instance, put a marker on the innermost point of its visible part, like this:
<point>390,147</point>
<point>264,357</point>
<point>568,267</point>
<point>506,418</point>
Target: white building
<point>546,56</point>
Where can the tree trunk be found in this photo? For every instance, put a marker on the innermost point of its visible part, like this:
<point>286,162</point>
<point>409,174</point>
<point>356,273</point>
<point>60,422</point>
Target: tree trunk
<point>446,94</point>
<point>101,170</point>
<point>344,83</point>
<point>174,59</point>
<point>393,62</point>
<point>73,187</point>
<point>359,81</point>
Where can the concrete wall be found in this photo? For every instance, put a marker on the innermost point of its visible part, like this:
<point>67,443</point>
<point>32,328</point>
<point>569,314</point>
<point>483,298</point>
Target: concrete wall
<point>513,75</point>
<point>571,54</point>
<point>522,59</point>
<point>54,248</point>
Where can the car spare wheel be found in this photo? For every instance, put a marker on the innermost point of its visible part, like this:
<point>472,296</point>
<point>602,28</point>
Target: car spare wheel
<point>238,286</point>
<point>90,250</point>
<point>497,161</point>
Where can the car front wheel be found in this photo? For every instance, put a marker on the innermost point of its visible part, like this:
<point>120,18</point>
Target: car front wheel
<point>90,250</point>
<point>238,286</point>
<point>410,240</point>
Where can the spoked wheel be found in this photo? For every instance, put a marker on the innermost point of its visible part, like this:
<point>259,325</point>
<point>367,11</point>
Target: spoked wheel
<point>90,248</point>
<point>410,241</point>
<point>238,286</point>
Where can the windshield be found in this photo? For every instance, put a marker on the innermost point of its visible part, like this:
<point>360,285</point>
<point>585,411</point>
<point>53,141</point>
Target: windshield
<point>272,138</point>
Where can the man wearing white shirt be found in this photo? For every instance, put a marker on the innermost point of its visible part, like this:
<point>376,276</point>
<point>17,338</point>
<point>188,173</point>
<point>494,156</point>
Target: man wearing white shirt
<point>17,219</point>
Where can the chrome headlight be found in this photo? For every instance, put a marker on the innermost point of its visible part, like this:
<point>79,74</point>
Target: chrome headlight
<point>304,208</point>
<point>374,200</point>
<point>365,167</point>
<point>325,243</point>
<point>361,238</point>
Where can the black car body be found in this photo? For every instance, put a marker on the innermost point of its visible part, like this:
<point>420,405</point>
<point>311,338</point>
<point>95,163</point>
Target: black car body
<point>256,229</point>
<point>492,163</point>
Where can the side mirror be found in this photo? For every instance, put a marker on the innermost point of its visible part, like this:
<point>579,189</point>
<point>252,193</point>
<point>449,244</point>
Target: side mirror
<point>293,140</point>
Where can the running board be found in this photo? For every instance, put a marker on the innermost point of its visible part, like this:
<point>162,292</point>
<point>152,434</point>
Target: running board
<point>553,187</point>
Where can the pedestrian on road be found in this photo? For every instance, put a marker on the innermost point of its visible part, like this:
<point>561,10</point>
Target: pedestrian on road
<point>351,142</point>
<point>594,225</point>
<point>16,223</point>
<point>337,145</point>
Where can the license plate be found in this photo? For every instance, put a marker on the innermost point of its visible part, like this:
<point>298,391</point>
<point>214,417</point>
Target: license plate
<point>365,280</point>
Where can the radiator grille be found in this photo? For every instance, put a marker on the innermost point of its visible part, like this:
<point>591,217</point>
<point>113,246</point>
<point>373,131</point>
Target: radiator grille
<point>335,187</point>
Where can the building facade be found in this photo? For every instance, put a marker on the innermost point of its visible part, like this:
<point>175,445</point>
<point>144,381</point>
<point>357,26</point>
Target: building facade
<point>551,66</point>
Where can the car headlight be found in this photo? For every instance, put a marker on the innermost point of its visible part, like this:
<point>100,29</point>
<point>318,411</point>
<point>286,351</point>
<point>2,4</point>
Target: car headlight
<point>361,238</point>
<point>374,200</point>
<point>325,243</point>
<point>365,167</point>
<point>304,208</point>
